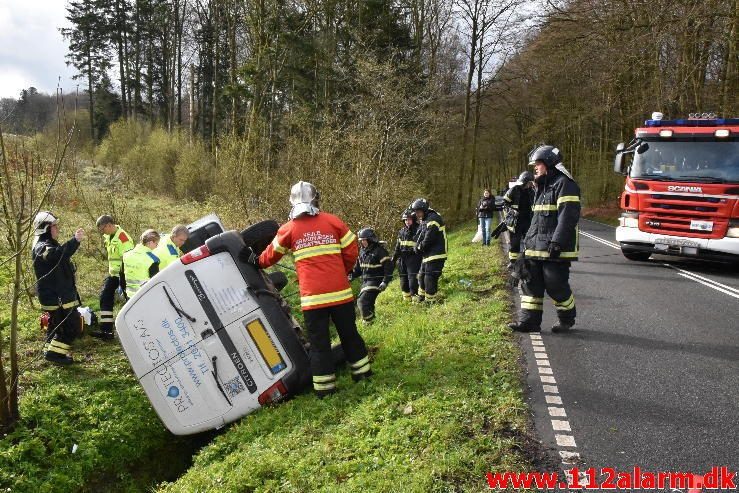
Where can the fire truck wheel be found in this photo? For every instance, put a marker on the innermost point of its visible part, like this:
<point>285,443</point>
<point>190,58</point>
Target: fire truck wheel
<point>259,235</point>
<point>636,256</point>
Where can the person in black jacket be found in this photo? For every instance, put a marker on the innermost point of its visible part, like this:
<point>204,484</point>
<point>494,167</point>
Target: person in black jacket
<point>376,269</point>
<point>550,244</point>
<point>432,245</point>
<point>409,262</point>
<point>518,201</point>
<point>485,212</point>
<point>57,291</point>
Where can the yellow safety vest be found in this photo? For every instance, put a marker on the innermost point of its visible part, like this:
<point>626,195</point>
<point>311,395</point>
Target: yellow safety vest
<point>116,245</point>
<point>167,252</point>
<point>136,264</point>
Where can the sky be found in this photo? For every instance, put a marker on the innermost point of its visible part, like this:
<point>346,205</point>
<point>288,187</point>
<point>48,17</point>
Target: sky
<point>32,50</point>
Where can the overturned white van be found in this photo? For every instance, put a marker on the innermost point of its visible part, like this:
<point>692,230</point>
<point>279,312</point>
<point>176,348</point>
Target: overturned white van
<point>211,339</point>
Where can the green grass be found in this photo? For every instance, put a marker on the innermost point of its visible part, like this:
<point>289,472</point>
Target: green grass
<point>445,404</point>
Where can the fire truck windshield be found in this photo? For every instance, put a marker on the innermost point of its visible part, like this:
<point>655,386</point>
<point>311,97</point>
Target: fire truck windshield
<point>674,160</point>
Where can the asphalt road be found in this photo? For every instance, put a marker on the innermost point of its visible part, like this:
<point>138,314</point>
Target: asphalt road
<point>649,376</point>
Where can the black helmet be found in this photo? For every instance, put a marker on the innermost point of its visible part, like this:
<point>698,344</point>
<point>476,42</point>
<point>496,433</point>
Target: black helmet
<point>549,155</point>
<point>420,204</point>
<point>368,234</point>
<point>525,177</point>
<point>406,214</point>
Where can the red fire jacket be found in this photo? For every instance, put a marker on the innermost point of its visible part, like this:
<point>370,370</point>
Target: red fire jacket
<point>324,250</point>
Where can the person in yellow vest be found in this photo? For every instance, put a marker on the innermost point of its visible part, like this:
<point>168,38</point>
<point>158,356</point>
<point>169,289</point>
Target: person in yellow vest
<point>141,264</point>
<point>169,246</point>
<point>117,242</point>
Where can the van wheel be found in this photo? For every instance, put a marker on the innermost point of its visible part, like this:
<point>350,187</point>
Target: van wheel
<point>279,279</point>
<point>259,235</point>
<point>636,256</point>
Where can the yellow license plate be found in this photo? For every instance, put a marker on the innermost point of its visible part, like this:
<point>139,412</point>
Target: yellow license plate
<point>266,346</point>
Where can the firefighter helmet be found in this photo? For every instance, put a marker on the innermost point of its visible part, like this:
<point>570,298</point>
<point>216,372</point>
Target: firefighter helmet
<point>420,204</point>
<point>304,198</point>
<point>368,234</point>
<point>525,177</point>
<point>408,213</point>
<point>549,155</point>
<point>42,222</point>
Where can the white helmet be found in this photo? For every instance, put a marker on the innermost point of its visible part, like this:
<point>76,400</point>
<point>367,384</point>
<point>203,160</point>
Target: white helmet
<point>304,199</point>
<point>42,221</point>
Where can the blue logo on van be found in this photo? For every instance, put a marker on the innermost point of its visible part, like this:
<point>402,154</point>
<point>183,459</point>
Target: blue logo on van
<point>173,392</point>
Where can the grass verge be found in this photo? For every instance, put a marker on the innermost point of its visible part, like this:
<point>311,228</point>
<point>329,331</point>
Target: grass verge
<point>444,406</point>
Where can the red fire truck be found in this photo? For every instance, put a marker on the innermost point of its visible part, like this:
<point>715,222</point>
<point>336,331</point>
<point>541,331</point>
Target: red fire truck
<point>682,189</point>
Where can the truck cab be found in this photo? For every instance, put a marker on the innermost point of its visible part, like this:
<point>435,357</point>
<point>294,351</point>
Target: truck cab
<point>681,195</point>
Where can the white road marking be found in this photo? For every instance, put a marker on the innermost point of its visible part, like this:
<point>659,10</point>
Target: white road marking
<point>569,457</point>
<point>553,399</point>
<point>542,362</point>
<point>547,379</point>
<point>540,349</point>
<point>551,389</point>
<point>557,411</point>
<point>561,425</point>
<point>537,343</point>
<point>565,440</point>
<point>542,355</point>
<point>545,370</point>
<point>722,288</point>
<point>535,336</point>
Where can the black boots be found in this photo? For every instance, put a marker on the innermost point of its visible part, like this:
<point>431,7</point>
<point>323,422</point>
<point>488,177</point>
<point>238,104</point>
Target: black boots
<point>562,326</point>
<point>523,327</point>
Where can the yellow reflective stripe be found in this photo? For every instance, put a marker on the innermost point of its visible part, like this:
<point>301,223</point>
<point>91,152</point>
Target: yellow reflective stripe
<point>384,259</point>
<point>314,251</point>
<point>105,312</point>
<point>363,369</point>
<point>360,363</point>
<point>369,288</point>
<point>544,207</point>
<point>532,299</point>
<point>514,206</point>
<point>59,344</point>
<point>567,198</point>
<point>433,257</point>
<point>545,254</point>
<point>507,199</point>
<point>347,240</point>
<point>370,266</point>
<point>324,378</point>
<point>532,306</point>
<point>320,299</point>
<point>421,292</point>
<point>513,255</point>
<point>568,304</point>
<point>51,308</point>
<point>324,386</point>
<point>408,243</point>
<point>52,349</point>
<point>434,223</point>
<point>279,248</point>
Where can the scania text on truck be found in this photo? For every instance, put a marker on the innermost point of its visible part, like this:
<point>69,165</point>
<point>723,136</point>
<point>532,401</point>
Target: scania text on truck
<point>681,195</point>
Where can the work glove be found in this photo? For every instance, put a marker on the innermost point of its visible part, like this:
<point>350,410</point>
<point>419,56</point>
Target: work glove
<point>554,249</point>
<point>382,286</point>
<point>248,256</point>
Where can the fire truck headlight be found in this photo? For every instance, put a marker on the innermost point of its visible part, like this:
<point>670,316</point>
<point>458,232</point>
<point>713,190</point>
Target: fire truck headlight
<point>629,220</point>
<point>733,231</point>
<point>665,134</point>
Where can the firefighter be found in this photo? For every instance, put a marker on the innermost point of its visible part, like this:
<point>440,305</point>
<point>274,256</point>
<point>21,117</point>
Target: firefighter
<point>57,290</point>
<point>517,202</point>
<point>141,263</point>
<point>550,244</point>
<point>409,262</point>
<point>432,245</point>
<point>117,242</point>
<point>376,269</point>
<point>324,250</point>
<point>169,246</point>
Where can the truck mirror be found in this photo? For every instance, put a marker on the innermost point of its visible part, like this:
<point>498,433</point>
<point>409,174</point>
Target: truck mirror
<point>618,162</point>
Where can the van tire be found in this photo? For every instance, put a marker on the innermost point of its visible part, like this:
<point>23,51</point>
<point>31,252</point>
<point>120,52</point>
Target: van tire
<point>279,280</point>
<point>258,236</point>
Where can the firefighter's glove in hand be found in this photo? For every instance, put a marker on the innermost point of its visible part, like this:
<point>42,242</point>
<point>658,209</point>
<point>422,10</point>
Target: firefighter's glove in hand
<point>554,249</point>
<point>248,256</point>
<point>382,286</point>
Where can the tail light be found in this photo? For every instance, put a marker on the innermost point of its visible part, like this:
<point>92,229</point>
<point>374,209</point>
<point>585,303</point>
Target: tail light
<point>275,393</point>
<point>195,255</point>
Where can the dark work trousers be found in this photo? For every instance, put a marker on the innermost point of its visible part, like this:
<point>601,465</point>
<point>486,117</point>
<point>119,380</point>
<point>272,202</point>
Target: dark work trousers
<point>367,296</point>
<point>428,278</point>
<point>321,357</point>
<point>107,300</point>
<point>408,267</point>
<point>554,278</point>
<point>515,250</point>
<point>65,325</point>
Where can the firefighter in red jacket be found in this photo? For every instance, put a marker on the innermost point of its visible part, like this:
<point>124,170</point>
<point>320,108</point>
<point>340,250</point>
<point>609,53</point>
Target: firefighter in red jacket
<point>324,250</point>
